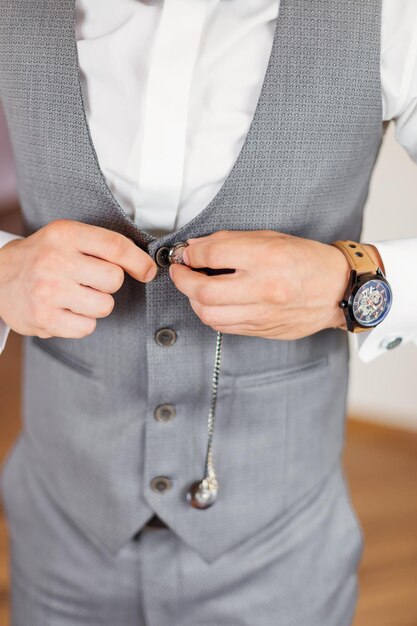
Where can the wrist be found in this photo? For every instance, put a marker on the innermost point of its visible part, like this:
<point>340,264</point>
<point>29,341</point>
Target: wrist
<point>7,265</point>
<point>340,275</point>
<point>368,295</point>
<point>4,255</point>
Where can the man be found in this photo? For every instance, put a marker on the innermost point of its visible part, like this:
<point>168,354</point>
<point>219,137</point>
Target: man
<point>236,138</point>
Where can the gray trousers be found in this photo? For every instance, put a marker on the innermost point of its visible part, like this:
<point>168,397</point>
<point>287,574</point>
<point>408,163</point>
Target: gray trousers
<point>300,571</point>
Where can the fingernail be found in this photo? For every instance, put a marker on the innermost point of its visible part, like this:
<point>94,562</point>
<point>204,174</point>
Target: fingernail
<point>151,274</point>
<point>185,256</point>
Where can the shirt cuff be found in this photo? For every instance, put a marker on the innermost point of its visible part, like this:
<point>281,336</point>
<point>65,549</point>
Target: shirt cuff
<point>400,325</point>
<point>4,329</point>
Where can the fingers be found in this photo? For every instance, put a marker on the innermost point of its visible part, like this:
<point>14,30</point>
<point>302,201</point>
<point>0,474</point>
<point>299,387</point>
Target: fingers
<point>71,311</point>
<point>110,246</point>
<point>98,274</point>
<point>237,234</point>
<point>217,254</point>
<point>221,289</point>
<point>229,249</point>
<point>228,315</point>
<point>71,325</point>
<point>86,301</point>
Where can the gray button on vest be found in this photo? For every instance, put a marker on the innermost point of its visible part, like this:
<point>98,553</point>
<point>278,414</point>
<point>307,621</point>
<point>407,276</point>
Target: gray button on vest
<point>164,412</point>
<point>165,337</point>
<point>161,484</point>
<point>162,256</point>
<point>391,343</point>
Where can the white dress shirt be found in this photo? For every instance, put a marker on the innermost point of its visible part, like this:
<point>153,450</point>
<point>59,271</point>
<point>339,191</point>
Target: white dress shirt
<point>170,88</point>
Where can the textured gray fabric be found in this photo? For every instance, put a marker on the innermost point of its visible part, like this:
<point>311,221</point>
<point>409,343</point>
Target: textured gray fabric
<point>277,578</point>
<point>90,436</point>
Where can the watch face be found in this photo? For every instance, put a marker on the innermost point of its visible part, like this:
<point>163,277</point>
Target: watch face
<point>372,302</point>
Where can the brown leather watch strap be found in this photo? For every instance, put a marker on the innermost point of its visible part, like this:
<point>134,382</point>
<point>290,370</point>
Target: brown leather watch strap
<point>357,256</point>
<point>359,260</point>
<point>378,256</point>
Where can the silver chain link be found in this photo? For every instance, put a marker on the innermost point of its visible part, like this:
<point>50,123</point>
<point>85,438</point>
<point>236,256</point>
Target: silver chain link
<point>209,471</point>
<point>204,492</point>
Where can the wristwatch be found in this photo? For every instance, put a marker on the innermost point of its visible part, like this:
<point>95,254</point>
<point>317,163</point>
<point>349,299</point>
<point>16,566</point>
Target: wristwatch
<point>368,296</point>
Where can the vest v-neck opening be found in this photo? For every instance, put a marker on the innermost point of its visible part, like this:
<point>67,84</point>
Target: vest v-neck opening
<point>180,233</point>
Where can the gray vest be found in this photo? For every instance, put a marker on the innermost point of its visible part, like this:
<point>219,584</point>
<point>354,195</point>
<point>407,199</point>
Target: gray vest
<point>90,432</point>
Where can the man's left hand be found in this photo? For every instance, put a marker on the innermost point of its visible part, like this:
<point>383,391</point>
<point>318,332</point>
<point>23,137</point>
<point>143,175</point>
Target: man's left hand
<point>283,287</point>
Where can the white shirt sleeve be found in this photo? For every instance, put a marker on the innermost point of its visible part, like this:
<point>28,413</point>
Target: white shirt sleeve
<point>4,329</point>
<point>399,95</point>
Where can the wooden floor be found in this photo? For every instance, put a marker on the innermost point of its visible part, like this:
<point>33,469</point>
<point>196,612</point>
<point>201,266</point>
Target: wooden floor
<point>381,466</point>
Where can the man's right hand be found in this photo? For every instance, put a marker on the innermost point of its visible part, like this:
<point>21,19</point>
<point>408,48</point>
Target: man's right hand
<point>58,281</point>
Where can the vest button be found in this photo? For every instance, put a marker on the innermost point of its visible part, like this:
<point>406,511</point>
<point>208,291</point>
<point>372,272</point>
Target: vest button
<point>165,337</point>
<point>165,255</point>
<point>164,412</point>
<point>162,256</point>
<point>161,484</point>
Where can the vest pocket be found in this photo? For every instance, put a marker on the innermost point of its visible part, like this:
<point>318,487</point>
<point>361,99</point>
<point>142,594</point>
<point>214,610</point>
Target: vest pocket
<point>257,379</point>
<point>63,357</point>
<point>250,440</point>
<point>314,426</point>
<point>258,427</point>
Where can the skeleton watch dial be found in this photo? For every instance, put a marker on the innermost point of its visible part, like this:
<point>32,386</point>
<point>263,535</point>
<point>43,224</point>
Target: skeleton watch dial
<point>372,302</point>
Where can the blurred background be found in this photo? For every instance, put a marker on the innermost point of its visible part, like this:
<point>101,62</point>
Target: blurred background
<point>381,437</point>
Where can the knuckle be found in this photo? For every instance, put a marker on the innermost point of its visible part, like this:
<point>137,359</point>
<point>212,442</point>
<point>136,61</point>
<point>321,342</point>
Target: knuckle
<point>87,328</point>
<point>276,292</point>
<point>204,294</point>
<point>116,277</point>
<point>147,268</point>
<point>273,250</point>
<point>206,316</point>
<point>117,245</point>
<point>107,306</point>
<point>211,255</point>
<point>56,229</point>
<point>282,292</point>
